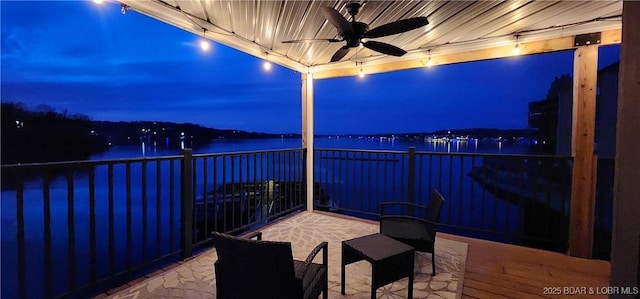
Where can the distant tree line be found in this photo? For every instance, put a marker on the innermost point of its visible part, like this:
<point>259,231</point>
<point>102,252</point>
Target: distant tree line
<point>41,134</point>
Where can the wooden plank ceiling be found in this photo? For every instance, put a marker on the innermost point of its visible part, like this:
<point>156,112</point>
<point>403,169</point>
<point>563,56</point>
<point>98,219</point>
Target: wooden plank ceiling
<point>259,27</point>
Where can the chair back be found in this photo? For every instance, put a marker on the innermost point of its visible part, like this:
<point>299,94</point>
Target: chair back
<point>249,268</point>
<point>434,206</point>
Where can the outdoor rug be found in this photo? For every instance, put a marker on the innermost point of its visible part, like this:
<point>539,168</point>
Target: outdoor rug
<point>195,278</point>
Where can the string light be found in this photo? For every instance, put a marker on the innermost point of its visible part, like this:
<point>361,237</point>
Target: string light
<point>266,65</point>
<point>516,49</point>
<point>204,43</point>
<point>429,61</point>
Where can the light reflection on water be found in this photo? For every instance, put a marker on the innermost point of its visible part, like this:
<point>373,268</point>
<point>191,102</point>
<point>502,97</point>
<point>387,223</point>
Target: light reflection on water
<point>238,145</point>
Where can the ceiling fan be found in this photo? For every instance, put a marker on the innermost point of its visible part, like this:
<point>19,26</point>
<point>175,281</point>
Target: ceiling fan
<point>352,32</point>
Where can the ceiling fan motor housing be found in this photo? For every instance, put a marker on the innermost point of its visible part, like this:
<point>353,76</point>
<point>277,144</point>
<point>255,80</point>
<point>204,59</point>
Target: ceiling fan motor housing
<point>353,40</point>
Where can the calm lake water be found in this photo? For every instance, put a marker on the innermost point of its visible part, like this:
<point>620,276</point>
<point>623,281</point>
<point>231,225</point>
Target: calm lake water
<point>227,145</point>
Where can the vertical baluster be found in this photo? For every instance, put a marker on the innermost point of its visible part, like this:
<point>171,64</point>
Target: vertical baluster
<point>361,180</point>
<point>280,183</point>
<point>394,158</point>
<point>71,247</point>
<point>20,238</point>
<point>158,209</point>
<point>369,193</point>
<point>450,196</point>
<point>290,181</point>
<point>520,198</point>
<point>485,177</point>
<point>48,259</point>
<point>509,196</point>
<point>496,177</point>
<point>275,182</point>
<point>187,175</point>
<point>233,192</point>
<point>112,233</point>
<point>386,177</point>
<point>129,217</point>
<point>430,173</point>
<point>255,186</point>
<point>192,199</point>
<point>224,193</point>
<point>461,187</point>
<point>172,210</point>
<point>377,180</point>
<point>145,216</point>
<point>93,256</point>
<point>548,205</point>
<point>440,186</point>
<point>472,197</point>
<point>264,189</point>
<point>300,171</point>
<point>241,188</point>
<point>343,181</point>
<point>204,205</point>
<point>420,178</point>
<point>215,194</point>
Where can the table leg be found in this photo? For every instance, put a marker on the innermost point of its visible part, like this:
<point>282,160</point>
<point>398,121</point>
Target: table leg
<point>373,279</point>
<point>410,288</point>
<point>342,273</point>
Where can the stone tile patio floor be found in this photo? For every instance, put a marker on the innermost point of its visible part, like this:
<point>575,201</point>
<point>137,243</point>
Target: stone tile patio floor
<point>195,278</point>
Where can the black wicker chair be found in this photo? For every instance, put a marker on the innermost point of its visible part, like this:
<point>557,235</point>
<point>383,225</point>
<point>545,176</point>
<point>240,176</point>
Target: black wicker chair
<point>248,268</point>
<point>413,224</point>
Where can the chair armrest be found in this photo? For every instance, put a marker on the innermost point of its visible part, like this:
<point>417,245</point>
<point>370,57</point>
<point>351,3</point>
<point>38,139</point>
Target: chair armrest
<point>322,246</point>
<point>257,235</point>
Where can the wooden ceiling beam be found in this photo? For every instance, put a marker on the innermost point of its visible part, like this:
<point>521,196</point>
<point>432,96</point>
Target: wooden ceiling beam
<point>608,37</point>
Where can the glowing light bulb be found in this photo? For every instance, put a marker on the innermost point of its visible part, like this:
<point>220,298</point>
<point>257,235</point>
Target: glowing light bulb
<point>361,74</point>
<point>266,65</point>
<point>204,44</point>
<point>97,1</point>
<point>516,50</point>
<point>429,62</point>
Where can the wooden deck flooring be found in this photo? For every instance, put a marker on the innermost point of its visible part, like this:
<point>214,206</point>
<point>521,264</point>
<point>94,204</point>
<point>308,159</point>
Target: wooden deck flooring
<point>497,270</point>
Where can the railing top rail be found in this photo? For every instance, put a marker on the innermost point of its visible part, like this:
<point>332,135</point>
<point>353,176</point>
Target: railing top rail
<point>133,160</point>
<point>88,162</point>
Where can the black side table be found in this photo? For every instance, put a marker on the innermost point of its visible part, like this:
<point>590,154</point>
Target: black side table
<point>390,260</point>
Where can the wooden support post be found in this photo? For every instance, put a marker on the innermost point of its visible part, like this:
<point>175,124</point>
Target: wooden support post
<point>307,135</point>
<point>625,249</point>
<point>585,73</point>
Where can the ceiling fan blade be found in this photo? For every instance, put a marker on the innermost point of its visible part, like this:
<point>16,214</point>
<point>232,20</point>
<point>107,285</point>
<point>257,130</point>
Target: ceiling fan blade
<point>312,40</point>
<point>337,20</point>
<point>342,52</point>
<point>396,27</point>
<point>384,48</point>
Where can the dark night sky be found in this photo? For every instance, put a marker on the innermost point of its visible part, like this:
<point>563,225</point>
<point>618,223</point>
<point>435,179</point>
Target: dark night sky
<point>91,59</point>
